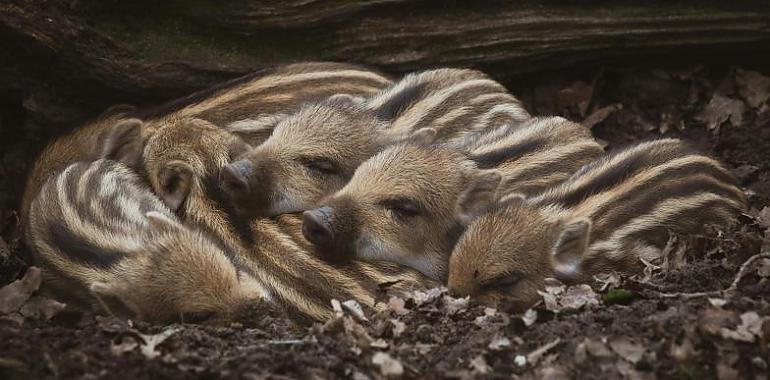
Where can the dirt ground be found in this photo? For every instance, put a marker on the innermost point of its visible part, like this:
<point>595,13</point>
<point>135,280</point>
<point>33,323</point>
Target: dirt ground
<point>675,322</point>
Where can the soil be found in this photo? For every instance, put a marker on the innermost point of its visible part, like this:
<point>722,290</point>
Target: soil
<point>635,331</point>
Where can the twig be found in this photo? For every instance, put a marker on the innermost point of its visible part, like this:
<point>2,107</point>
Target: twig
<point>730,291</point>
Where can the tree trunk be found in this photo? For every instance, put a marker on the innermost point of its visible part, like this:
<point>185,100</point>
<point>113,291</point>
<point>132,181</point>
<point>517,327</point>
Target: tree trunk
<point>68,59</point>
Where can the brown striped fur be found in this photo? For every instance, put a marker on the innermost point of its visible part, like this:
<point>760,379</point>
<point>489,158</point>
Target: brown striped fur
<point>273,250</point>
<point>315,151</point>
<point>607,217</point>
<point>106,242</point>
<point>411,202</point>
<point>247,102</point>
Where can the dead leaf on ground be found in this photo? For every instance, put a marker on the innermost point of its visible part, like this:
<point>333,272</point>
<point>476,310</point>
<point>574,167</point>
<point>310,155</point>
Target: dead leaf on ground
<point>398,327</point>
<point>420,297</point>
<point>529,317</point>
<point>456,305</point>
<point>483,321</point>
<point>387,364</point>
<point>719,110</point>
<point>600,115</point>
<point>499,343</point>
<point>669,121</point>
<point>14,295</point>
<point>579,296</point>
<point>379,343</point>
<point>535,356</point>
<point>594,348</point>
<point>355,309</point>
<point>753,87</point>
<point>480,366</point>
<point>608,281</point>
<point>711,321</point>
<point>749,329</point>
<point>558,298</point>
<point>149,347</point>
<point>39,307</point>
<point>717,302</point>
<point>397,305</point>
<point>627,349</point>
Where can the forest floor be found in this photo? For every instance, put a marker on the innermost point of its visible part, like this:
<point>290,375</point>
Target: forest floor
<point>694,316</point>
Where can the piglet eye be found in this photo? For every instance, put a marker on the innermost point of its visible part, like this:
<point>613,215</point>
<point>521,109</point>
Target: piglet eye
<point>403,208</point>
<point>504,281</point>
<point>320,165</point>
<point>197,317</point>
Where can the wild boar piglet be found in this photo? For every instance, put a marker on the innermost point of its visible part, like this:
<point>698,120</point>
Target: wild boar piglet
<point>314,152</point>
<point>410,203</point>
<point>610,215</point>
<point>105,241</point>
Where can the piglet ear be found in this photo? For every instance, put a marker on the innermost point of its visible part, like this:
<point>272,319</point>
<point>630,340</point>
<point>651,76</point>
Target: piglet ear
<point>123,142</point>
<point>513,200</point>
<point>175,181</point>
<point>111,301</point>
<point>423,136</point>
<point>479,195</point>
<point>571,247</point>
<point>257,128</point>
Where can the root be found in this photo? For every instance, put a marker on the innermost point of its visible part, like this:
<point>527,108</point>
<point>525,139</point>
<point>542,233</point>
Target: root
<point>726,293</point>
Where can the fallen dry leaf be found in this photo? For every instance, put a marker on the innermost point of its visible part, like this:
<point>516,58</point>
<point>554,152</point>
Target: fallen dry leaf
<point>14,295</point>
<point>398,327</point>
<point>711,321</point>
<point>387,364</point>
<point>420,297</point>
<point>480,366</point>
<point>126,344</point>
<point>151,342</point>
<point>719,110</point>
<point>397,305</point>
<point>456,305</point>
<point>535,356</point>
<point>39,307</point>
<point>627,349</point>
<point>529,317</point>
<point>717,302</point>
<point>608,281</point>
<point>499,343</point>
<point>379,343</point>
<point>355,309</point>
<point>600,115</point>
<point>483,321</point>
<point>579,296</point>
<point>751,322</point>
<point>753,87</point>
<point>593,348</point>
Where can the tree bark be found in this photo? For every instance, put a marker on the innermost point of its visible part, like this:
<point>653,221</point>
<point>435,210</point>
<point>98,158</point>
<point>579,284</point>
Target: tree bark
<point>71,58</point>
